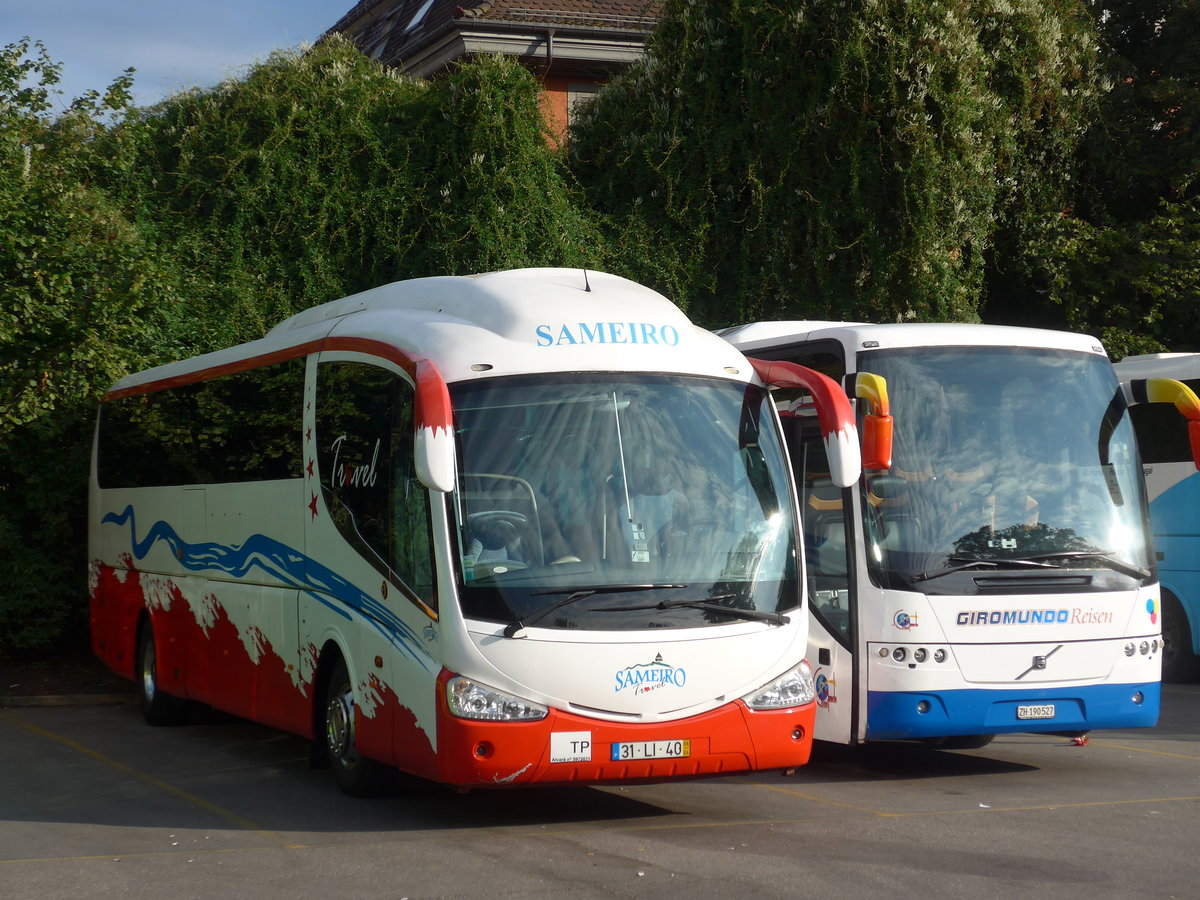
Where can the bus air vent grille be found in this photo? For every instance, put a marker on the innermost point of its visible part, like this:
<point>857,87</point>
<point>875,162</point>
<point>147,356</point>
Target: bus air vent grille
<point>1024,584</point>
<point>606,713</point>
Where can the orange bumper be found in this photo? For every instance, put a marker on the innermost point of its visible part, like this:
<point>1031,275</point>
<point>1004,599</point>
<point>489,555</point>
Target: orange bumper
<point>565,747</point>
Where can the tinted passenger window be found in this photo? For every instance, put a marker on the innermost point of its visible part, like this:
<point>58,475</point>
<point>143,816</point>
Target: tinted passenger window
<point>236,428</point>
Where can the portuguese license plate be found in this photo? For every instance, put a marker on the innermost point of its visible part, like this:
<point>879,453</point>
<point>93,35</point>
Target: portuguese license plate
<point>1043,711</point>
<point>676,749</point>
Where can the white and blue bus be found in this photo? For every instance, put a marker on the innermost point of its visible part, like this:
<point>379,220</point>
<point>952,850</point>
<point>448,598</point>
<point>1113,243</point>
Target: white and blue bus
<point>995,574</point>
<point>1167,446</point>
<point>508,529</point>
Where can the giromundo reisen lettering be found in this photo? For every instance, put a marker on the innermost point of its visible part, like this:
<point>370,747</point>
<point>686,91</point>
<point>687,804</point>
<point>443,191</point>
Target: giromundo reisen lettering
<point>607,333</point>
<point>1076,616</point>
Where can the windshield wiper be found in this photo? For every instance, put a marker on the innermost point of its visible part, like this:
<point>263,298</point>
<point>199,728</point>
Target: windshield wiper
<point>754,615</point>
<point>519,624</point>
<point>1035,561</point>
<point>1100,556</point>
<point>707,605</point>
<point>971,562</point>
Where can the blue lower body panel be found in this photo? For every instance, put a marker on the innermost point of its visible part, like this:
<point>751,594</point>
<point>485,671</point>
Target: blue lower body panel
<point>897,716</point>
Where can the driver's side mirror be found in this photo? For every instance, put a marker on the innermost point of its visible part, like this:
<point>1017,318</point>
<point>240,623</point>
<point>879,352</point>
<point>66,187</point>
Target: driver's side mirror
<point>877,422</point>
<point>1168,390</point>
<point>834,414</point>
<point>434,440</point>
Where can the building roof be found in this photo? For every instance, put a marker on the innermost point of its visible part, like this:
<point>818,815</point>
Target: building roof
<point>425,37</point>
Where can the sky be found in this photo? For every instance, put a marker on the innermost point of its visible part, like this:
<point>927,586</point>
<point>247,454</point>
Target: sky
<point>173,44</point>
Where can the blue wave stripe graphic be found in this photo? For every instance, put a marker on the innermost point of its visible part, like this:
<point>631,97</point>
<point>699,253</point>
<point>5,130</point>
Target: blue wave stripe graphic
<point>286,565</point>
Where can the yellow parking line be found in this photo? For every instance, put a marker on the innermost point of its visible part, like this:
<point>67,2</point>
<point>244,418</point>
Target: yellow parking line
<point>1112,746</point>
<point>884,814</point>
<point>191,854</point>
<point>231,817</point>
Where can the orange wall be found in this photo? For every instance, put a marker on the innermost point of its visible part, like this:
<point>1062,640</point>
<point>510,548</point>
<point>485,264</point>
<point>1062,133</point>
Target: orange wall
<point>554,105</point>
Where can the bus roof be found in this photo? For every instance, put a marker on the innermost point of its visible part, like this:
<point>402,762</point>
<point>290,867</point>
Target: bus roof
<point>853,335</point>
<point>499,323</point>
<point>1180,366</point>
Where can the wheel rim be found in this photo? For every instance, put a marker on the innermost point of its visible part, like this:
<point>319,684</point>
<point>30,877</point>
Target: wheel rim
<point>339,725</point>
<point>148,666</point>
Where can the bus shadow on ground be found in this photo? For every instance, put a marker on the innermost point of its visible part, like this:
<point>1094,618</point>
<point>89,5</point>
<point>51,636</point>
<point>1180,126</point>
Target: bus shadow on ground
<point>403,803</point>
<point>892,760</point>
<point>532,807</point>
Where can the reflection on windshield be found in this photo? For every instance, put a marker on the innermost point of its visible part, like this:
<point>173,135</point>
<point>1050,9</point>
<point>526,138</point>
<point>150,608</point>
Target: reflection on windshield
<point>1003,454</point>
<point>668,487</point>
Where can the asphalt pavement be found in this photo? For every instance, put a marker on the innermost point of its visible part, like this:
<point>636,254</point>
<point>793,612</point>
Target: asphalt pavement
<point>94,803</point>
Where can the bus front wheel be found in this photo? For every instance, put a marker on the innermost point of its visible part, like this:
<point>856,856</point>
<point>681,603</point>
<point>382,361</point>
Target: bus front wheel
<point>356,775</point>
<point>1178,659</point>
<point>966,742</point>
<point>158,707</point>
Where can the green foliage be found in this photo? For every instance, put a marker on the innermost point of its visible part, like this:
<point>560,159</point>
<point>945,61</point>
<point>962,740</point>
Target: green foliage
<point>75,277</point>
<point>835,159</point>
<point>132,237</point>
<point>1124,261</point>
<point>77,287</point>
<point>872,159</point>
<point>321,174</point>
<point>1137,284</point>
<point>1145,146</point>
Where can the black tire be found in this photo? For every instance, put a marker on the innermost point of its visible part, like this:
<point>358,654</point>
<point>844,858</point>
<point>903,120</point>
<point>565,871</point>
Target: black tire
<point>356,775</point>
<point>966,742</point>
<point>1179,662</point>
<point>158,707</point>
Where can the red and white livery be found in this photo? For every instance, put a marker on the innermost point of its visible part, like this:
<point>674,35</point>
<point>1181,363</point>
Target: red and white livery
<point>523,527</point>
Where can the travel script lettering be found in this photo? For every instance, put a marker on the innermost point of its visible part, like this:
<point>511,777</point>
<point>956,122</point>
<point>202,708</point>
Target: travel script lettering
<point>352,475</point>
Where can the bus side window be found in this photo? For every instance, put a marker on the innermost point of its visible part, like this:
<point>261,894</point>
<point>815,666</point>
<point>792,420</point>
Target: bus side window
<point>237,428</point>
<point>368,475</point>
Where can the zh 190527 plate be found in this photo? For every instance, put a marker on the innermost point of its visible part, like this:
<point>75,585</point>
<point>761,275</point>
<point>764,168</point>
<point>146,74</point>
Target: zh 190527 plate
<point>1044,711</point>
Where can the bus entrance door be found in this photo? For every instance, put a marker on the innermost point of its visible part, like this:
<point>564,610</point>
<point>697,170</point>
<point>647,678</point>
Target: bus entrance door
<point>827,540</point>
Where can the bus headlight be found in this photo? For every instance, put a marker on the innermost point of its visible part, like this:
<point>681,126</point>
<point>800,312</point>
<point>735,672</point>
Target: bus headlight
<point>795,688</point>
<point>471,700</point>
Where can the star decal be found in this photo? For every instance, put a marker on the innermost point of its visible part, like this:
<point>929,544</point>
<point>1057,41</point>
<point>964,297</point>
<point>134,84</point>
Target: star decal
<point>309,467</point>
<point>312,505</point>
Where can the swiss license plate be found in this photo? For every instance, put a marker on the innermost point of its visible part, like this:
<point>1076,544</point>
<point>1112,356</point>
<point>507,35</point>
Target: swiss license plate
<point>1044,711</point>
<point>676,749</point>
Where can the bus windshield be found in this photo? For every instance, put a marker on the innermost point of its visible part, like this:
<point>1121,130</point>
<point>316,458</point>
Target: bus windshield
<point>1008,463</point>
<point>609,502</point>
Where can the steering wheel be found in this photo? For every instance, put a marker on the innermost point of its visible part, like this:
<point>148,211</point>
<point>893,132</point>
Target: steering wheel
<point>499,531</point>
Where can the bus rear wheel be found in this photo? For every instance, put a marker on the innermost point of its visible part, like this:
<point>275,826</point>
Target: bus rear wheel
<point>356,775</point>
<point>158,707</point>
